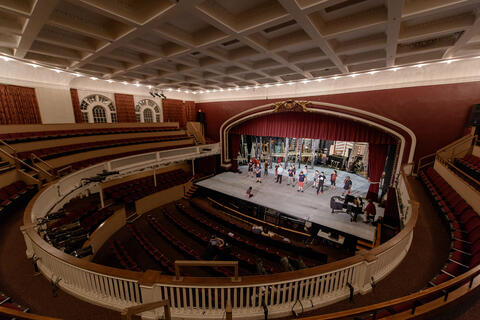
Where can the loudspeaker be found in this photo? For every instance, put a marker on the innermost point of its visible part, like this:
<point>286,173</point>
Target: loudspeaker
<point>474,119</point>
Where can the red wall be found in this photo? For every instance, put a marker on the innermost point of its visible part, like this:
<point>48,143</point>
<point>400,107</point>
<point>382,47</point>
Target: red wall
<point>436,114</point>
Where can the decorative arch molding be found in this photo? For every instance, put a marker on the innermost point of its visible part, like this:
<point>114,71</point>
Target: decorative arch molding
<point>94,100</point>
<point>147,104</point>
<point>406,136</point>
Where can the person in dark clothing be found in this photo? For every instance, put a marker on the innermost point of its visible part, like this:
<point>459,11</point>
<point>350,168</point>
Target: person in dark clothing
<point>301,180</point>
<point>265,172</point>
<point>249,193</point>
<point>321,182</point>
<point>347,187</point>
<point>333,179</point>
<point>370,212</point>
<point>258,173</point>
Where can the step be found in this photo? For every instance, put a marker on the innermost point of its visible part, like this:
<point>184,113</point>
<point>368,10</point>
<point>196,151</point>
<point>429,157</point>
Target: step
<point>364,244</point>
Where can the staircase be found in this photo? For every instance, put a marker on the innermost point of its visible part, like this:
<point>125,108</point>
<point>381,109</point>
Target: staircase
<point>131,218</point>
<point>5,166</point>
<point>190,192</point>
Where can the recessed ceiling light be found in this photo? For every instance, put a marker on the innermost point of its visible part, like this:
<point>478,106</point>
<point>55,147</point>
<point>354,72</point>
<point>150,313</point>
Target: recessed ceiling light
<point>57,71</point>
<point>178,90</point>
<point>109,80</point>
<point>221,89</point>
<point>229,89</point>
<point>290,83</point>
<point>125,82</point>
<point>420,65</point>
<point>267,86</point>
<point>207,91</point>
<point>335,78</point>
<point>170,89</point>
<point>201,91</point>
<point>395,69</point>
<point>449,61</point>
<point>93,78</point>
<point>194,92</point>
<point>77,75</point>
<point>256,87</point>
<point>279,84</point>
<point>6,58</point>
<point>305,81</point>
<point>137,84</point>
<point>353,75</point>
<point>372,72</point>
<point>320,79</point>
<point>33,65</point>
<point>237,88</point>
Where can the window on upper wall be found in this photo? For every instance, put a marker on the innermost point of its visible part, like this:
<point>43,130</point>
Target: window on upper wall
<point>141,113</point>
<point>98,109</point>
<point>99,115</point>
<point>147,115</point>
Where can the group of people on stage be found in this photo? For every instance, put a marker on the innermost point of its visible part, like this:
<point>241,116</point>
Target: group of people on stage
<point>319,178</point>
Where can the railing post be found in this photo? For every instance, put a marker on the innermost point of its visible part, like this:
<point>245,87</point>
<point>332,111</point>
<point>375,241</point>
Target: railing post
<point>228,311</point>
<point>28,242</point>
<point>366,272</point>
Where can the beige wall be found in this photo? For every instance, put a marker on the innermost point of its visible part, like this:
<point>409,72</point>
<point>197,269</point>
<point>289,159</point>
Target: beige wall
<point>158,199</point>
<point>106,230</point>
<point>55,105</point>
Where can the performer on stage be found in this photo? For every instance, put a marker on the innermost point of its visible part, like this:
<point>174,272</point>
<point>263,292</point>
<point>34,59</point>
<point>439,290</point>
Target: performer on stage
<point>305,172</point>
<point>321,182</point>
<point>258,173</point>
<point>265,173</point>
<point>249,193</point>
<point>370,212</point>
<point>333,179</point>
<point>301,180</point>
<point>250,168</point>
<point>291,176</point>
<point>315,179</point>
<point>279,174</point>
<point>347,186</point>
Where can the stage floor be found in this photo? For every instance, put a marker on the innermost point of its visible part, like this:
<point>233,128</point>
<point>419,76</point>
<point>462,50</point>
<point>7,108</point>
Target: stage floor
<point>287,200</point>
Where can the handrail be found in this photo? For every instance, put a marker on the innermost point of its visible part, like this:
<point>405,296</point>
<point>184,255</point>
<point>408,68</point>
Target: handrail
<point>23,315</point>
<point>441,288</point>
<point>19,160</point>
<point>454,143</point>
<point>41,160</point>
<point>9,146</point>
<point>128,313</point>
<point>205,263</point>
<point>420,166</point>
<point>258,220</point>
<point>451,166</point>
<point>40,168</point>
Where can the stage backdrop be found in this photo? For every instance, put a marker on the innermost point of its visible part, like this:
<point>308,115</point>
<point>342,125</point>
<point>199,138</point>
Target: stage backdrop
<point>319,126</point>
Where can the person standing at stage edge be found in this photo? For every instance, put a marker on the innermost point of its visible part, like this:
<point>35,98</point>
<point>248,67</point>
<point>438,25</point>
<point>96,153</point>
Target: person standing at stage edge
<point>279,174</point>
<point>265,173</point>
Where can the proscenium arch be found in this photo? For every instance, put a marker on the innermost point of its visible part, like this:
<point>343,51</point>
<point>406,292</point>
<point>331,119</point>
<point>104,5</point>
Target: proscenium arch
<point>270,107</point>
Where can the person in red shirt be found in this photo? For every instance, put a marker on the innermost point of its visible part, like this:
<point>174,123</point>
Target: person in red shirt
<point>333,179</point>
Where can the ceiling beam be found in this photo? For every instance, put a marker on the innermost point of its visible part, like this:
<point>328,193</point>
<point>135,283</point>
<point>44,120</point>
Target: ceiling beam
<point>465,37</point>
<point>395,8</point>
<point>40,14</point>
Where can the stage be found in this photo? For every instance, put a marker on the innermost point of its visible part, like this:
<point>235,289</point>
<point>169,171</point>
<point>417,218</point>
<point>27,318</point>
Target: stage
<point>287,200</point>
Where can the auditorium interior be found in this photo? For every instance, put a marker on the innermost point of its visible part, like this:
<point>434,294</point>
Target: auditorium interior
<point>239,159</point>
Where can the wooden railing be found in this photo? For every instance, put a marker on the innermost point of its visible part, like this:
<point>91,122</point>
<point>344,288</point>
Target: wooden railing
<point>198,297</point>
<point>440,296</point>
<point>204,263</point>
<point>192,129</point>
<point>15,314</point>
<point>128,313</point>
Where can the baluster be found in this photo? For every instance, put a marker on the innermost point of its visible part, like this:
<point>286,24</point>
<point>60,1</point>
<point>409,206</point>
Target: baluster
<point>184,294</point>
<point>172,297</point>
<point>204,306</point>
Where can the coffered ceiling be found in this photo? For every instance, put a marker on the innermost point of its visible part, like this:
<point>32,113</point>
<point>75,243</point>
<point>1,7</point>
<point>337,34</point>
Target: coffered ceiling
<point>212,44</point>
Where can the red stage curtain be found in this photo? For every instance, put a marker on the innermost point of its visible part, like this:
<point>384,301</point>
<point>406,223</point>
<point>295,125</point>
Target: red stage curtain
<point>312,126</point>
<point>235,147</point>
<point>18,105</point>
<point>76,106</point>
<point>377,154</point>
<point>125,108</point>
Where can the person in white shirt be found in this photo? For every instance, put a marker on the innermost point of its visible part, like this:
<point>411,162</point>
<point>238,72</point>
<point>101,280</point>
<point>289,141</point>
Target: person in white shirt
<point>279,174</point>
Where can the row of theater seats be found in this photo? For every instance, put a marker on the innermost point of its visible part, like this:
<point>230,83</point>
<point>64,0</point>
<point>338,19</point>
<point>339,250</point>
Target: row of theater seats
<point>469,164</point>
<point>311,258</point>
<point>54,152</point>
<point>122,256</point>
<point>15,194</point>
<point>19,137</point>
<point>244,240</point>
<point>133,190</point>
<point>90,162</point>
<point>464,225</point>
<point>6,302</point>
<point>162,231</point>
<point>166,263</point>
<point>242,255</point>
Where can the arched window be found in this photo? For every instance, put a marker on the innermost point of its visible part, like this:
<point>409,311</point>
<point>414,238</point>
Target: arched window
<point>147,115</point>
<point>107,113</point>
<point>153,113</point>
<point>99,115</point>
